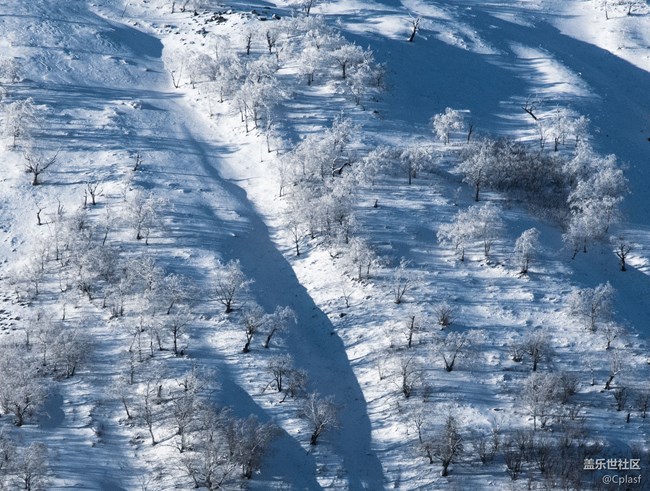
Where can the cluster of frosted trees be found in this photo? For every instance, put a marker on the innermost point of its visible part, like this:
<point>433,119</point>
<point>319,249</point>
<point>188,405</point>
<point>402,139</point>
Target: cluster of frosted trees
<point>571,182</point>
<point>247,75</point>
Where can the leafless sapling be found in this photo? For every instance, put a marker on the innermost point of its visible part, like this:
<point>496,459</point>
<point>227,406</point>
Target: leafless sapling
<point>36,164</point>
<point>409,374</point>
<point>415,26</point>
<point>531,106</point>
<point>622,248</point>
<point>446,445</point>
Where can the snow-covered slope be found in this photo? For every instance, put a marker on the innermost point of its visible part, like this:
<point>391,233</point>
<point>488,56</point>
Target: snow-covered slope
<point>102,78</point>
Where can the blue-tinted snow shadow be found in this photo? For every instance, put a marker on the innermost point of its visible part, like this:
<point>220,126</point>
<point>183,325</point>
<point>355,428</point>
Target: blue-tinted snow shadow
<point>312,342</point>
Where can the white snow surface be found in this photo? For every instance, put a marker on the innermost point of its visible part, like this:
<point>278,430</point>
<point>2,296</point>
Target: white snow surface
<point>96,74</point>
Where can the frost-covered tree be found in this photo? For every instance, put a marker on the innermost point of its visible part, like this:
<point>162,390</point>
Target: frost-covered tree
<point>248,441</point>
<point>311,59</point>
<point>360,258</point>
<point>409,373</point>
<point>413,159</point>
<point>536,344</point>
<point>348,55</point>
<point>70,348</point>
<point>457,233</point>
<point>252,319</point>
<point>592,305</point>
<point>321,413</point>
<point>361,77</point>
<point>22,391</point>
<point>445,314</point>
<point>526,246</point>
<point>488,225</point>
<point>10,72</point>
<point>279,368</point>
<point>304,6</point>
<point>610,331</point>
<point>230,283</point>
<point>30,469</point>
<point>478,164</point>
<point>278,321</point>
<point>595,198</point>
<point>142,213</point>
<point>477,223</point>
<point>211,463</point>
<point>447,122</point>
<point>540,395</point>
<point>17,118</point>
<point>615,367</point>
<point>175,61</point>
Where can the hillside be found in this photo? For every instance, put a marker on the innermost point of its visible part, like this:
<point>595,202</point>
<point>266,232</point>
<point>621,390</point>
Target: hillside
<point>266,245</point>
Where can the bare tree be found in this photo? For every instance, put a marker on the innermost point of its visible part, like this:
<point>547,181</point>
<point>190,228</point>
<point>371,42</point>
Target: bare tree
<point>445,446</point>
<point>148,409</point>
<point>321,413</point>
<point>643,402</point>
<point>176,324</point>
<point>93,189</point>
<point>531,106</point>
<point>615,367</point>
<point>36,164</point>
<point>409,373</point>
<point>404,279</point>
<point>622,249</point>
<point>513,458</point>
<point>445,315</point>
<point>413,325</point>
<point>415,26</point>
<point>453,346</point>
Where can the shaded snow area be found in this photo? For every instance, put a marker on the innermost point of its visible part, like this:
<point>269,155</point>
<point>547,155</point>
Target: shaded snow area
<point>271,245</point>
